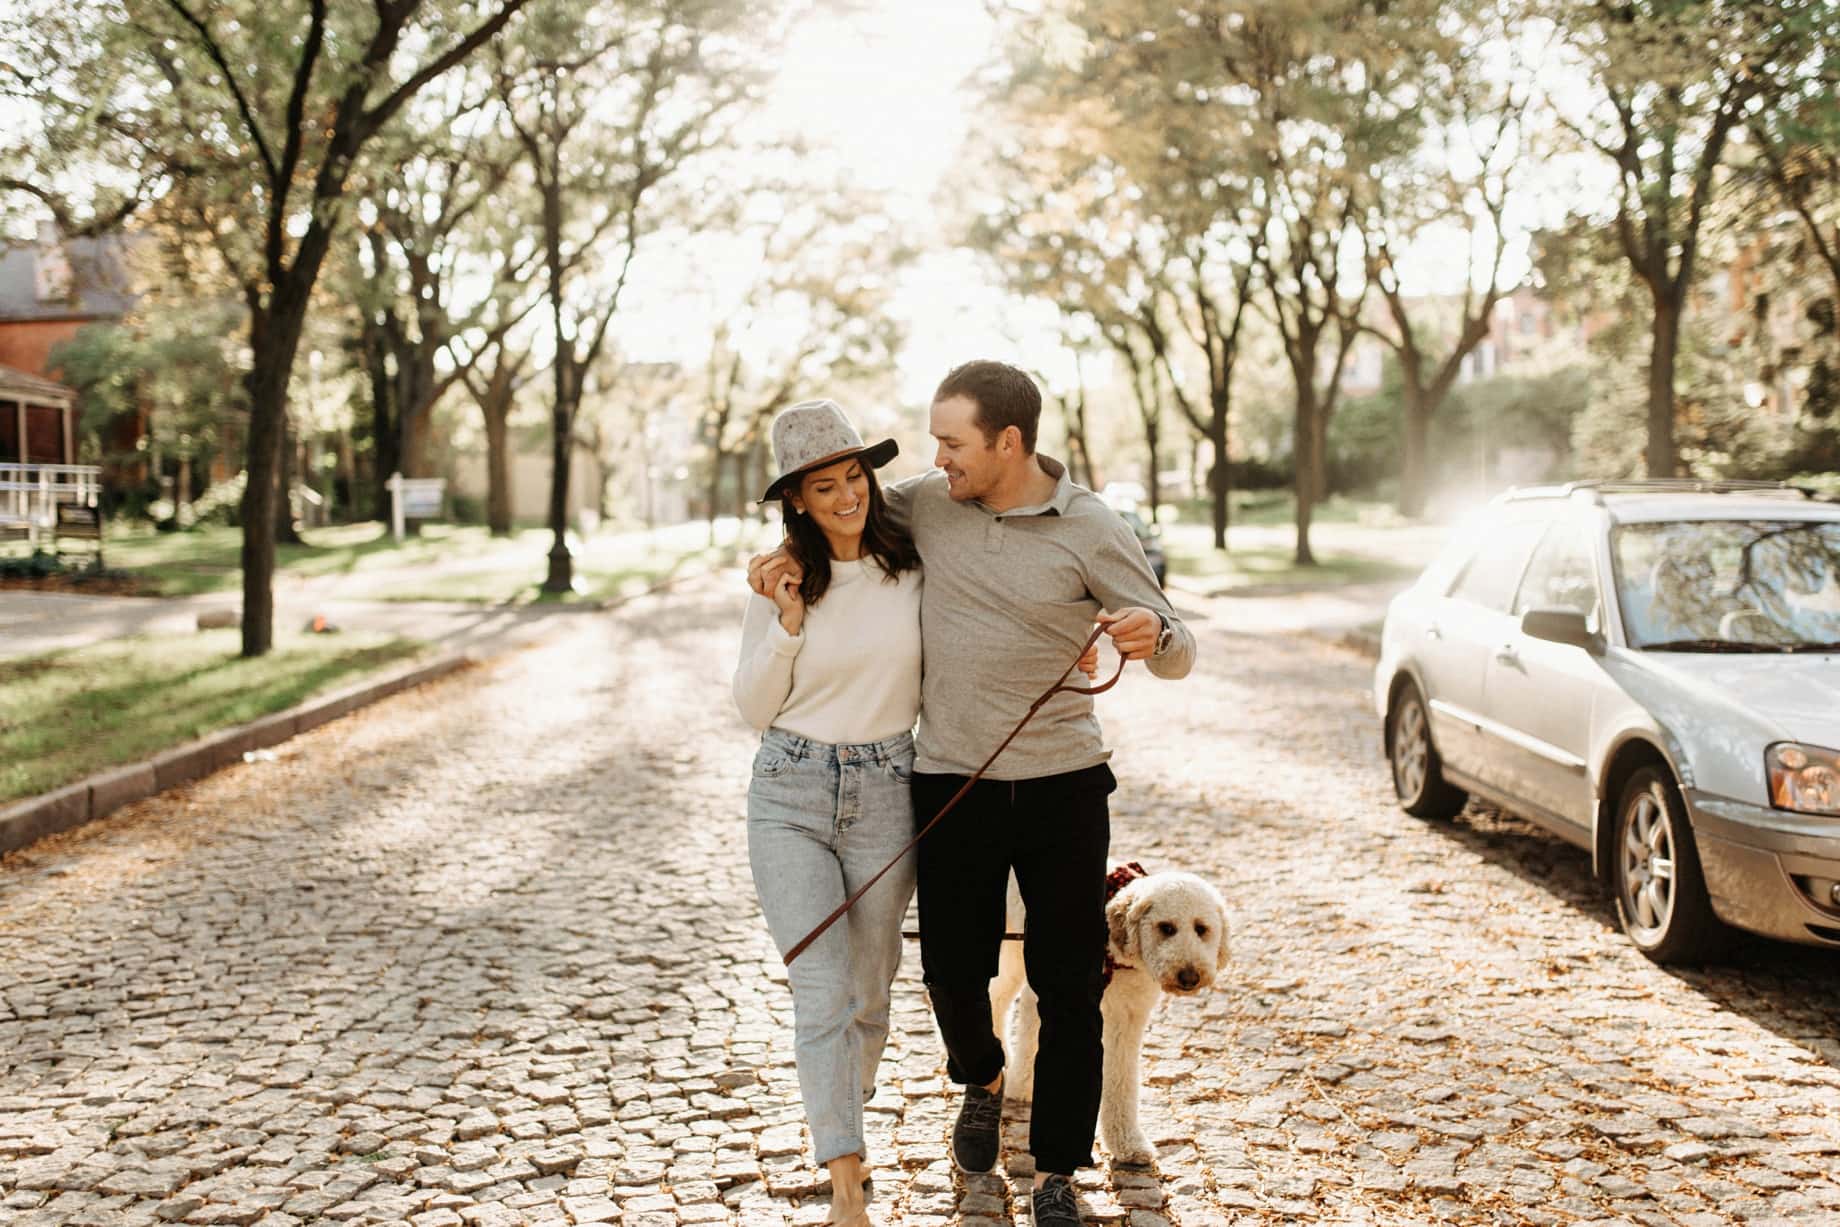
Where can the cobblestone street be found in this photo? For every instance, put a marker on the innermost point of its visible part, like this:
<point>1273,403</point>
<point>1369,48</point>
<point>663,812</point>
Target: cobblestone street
<point>488,953</point>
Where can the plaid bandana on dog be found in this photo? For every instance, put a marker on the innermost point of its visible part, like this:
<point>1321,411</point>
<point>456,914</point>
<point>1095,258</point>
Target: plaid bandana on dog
<point>1116,881</point>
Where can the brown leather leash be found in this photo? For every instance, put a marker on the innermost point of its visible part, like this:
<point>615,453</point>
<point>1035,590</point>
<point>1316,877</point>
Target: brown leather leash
<point>1059,687</point>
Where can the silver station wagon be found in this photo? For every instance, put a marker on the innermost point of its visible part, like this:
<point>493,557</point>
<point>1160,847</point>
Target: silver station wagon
<point>1650,669</point>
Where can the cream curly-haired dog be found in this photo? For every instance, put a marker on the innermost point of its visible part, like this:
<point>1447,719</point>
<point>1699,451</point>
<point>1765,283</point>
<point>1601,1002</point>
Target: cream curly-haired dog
<point>1168,933</point>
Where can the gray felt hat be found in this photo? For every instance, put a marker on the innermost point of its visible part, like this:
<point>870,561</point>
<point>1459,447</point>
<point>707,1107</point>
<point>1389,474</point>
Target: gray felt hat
<point>815,433</point>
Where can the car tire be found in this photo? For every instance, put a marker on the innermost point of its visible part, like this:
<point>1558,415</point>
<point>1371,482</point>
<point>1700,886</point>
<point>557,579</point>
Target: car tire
<point>1418,772</point>
<point>1660,891</point>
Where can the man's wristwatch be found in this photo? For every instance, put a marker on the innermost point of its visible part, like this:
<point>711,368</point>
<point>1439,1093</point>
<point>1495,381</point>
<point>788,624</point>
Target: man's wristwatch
<point>1165,638</point>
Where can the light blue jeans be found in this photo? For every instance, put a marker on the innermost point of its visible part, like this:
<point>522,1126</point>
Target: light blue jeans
<point>822,819</point>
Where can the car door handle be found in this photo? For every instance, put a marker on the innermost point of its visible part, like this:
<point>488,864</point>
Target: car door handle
<point>1432,632</point>
<point>1508,656</point>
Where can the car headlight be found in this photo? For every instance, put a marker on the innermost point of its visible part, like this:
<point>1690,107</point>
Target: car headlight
<point>1804,778</point>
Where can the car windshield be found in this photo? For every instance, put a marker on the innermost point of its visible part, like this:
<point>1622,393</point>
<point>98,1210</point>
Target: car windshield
<point>1729,585</point>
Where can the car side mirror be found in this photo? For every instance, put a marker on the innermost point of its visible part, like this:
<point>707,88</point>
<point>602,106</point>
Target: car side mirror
<point>1562,626</point>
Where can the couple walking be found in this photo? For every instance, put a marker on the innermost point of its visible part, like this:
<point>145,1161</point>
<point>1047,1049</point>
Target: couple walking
<point>1018,564</point>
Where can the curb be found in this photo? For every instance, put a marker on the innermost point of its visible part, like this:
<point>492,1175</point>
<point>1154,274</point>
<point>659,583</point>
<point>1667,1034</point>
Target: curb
<point>85,801</point>
<point>1366,642</point>
<point>1361,642</point>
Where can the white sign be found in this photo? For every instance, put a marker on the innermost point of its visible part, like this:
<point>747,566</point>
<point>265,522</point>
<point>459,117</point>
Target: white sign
<point>414,498</point>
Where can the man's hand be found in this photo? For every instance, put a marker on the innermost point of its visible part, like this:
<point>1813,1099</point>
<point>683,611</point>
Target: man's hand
<point>765,571</point>
<point>1089,663</point>
<point>1133,630</point>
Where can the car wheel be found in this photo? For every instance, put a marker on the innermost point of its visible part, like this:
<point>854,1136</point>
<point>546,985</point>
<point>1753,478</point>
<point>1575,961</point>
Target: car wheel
<point>1660,893</point>
<point>1418,772</point>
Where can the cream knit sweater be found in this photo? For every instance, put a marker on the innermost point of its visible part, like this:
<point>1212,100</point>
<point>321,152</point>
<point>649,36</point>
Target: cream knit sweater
<point>851,675</point>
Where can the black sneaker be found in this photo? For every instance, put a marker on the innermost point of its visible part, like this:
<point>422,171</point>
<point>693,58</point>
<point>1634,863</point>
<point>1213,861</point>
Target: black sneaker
<point>974,1137</point>
<point>1055,1205</point>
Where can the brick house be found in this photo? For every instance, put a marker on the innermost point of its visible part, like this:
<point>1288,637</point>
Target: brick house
<point>37,419</point>
<point>50,288</point>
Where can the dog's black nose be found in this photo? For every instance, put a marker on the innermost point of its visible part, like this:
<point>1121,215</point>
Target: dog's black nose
<point>1188,977</point>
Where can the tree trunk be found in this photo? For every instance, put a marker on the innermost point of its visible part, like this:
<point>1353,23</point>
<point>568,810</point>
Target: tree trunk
<point>274,335</point>
<point>1303,480</point>
<point>715,492</point>
<point>561,577</point>
<point>1151,486</point>
<point>415,401</point>
<point>372,346</point>
<point>1415,442</point>
<point>1079,455</point>
<point>1220,478</point>
<point>1664,347</point>
<point>287,532</point>
<point>497,411</point>
<point>649,508</point>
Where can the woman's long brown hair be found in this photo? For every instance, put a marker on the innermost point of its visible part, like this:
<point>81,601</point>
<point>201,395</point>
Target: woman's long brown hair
<point>891,548</point>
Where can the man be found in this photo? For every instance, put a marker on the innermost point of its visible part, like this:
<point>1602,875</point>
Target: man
<point>1019,563</point>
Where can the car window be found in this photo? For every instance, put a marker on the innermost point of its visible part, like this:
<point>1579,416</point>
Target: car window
<point>1560,575</point>
<point>1729,584</point>
<point>1491,575</point>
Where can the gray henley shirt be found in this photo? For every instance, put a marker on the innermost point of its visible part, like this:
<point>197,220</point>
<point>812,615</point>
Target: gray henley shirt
<point>1010,596</point>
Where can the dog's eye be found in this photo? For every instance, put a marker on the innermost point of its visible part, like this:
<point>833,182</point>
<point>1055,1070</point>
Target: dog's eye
<point>1166,928</point>
<point>1200,930</point>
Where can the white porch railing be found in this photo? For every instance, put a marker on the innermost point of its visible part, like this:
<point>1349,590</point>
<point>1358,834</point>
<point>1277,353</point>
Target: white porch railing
<point>30,493</point>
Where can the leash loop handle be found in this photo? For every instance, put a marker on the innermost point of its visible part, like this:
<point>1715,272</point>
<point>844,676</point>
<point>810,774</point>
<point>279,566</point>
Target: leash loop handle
<point>1059,687</point>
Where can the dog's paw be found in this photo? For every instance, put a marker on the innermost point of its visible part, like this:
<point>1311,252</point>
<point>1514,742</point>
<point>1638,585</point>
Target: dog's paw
<point>1135,1151</point>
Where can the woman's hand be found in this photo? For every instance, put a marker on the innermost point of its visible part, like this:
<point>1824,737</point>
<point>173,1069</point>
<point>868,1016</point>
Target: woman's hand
<point>791,604</point>
<point>765,570</point>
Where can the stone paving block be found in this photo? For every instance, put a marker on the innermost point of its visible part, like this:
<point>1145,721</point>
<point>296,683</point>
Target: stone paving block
<point>426,925</point>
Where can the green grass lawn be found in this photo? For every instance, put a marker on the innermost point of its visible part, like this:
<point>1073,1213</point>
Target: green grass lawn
<point>1202,568</point>
<point>1278,508</point>
<point>1354,542</point>
<point>70,713</point>
<point>445,562</point>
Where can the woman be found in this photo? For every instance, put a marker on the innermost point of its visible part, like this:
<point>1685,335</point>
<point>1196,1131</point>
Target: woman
<point>830,672</point>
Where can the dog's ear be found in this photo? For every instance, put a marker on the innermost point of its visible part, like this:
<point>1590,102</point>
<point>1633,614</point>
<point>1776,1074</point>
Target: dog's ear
<point>1121,916</point>
<point>1222,929</point>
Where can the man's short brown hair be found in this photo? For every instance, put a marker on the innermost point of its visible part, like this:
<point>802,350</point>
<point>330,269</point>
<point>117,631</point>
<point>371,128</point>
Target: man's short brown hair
<point>1004,397</point>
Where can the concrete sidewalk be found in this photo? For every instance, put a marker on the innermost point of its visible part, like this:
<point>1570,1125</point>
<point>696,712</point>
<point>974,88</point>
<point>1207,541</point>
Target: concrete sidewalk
<point>35,622</point>
<point>1324,612</point>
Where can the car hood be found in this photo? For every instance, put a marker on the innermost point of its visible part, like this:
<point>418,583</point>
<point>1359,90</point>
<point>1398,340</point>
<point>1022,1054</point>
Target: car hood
<point>1795,698</point>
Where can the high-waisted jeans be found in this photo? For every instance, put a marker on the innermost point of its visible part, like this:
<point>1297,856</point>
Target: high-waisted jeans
<point>822,819</point>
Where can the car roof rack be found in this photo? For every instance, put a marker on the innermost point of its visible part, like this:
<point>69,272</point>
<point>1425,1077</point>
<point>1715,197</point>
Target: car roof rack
<point>1598,487</point>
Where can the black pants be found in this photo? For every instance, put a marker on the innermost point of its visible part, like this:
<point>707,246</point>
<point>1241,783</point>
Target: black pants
<point>1054,831</point>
